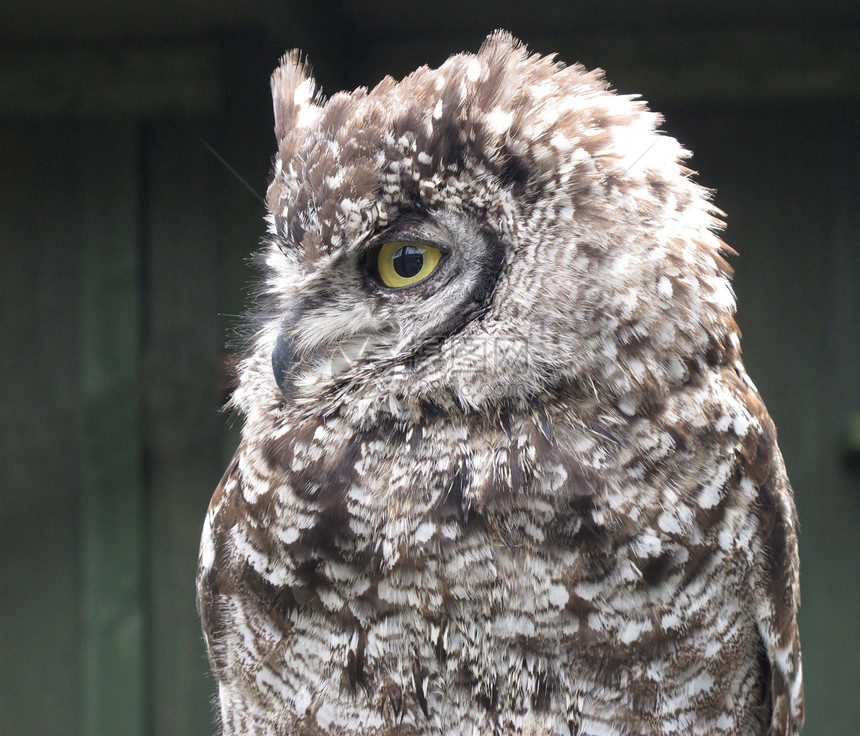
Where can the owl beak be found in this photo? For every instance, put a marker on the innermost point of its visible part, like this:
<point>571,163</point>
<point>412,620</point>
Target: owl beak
<point>282,363</point>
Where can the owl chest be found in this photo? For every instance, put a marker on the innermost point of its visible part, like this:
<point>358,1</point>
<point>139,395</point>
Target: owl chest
<point>475,631</point>
<point>448,573</point>
<point>499,530</point>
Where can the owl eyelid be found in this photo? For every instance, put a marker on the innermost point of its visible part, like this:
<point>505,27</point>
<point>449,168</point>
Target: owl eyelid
<point>399,237</point>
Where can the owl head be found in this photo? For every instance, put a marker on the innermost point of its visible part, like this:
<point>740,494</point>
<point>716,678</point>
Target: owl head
<point>499,228</point>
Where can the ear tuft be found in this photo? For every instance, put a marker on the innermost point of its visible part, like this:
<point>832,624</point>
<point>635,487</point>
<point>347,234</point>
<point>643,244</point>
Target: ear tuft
<point>504,40</point>
<point>294,94</point>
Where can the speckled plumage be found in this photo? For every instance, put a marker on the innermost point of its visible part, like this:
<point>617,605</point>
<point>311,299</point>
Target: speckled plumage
<point>535,494</point>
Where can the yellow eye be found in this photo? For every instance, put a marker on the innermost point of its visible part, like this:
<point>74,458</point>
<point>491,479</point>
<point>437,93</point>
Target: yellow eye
<point>404,264</point>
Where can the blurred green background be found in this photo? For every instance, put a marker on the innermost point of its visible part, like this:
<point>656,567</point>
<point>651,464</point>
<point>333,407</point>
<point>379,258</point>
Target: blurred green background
<point>135,142</point>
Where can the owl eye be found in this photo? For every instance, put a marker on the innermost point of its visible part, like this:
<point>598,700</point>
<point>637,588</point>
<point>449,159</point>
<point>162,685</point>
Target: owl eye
<point>403,264</point>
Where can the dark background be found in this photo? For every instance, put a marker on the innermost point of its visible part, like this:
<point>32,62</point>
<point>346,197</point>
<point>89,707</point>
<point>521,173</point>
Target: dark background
<point>125,131</point>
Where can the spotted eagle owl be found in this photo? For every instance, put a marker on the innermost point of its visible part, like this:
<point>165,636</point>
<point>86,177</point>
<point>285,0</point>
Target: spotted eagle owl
<point>502,471</point>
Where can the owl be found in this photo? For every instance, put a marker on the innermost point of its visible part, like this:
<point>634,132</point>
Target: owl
<point>502,471</point>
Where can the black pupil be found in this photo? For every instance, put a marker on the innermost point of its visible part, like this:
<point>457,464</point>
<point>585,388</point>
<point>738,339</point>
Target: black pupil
<point>408,261</point>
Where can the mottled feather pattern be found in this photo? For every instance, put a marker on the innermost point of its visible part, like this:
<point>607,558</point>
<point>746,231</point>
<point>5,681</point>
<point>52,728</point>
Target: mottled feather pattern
<point>533,495</point>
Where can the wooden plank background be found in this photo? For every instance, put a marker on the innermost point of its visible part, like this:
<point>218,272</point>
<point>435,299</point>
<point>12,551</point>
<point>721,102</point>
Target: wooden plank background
<point>114,547</point>
<point>40,585</point>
